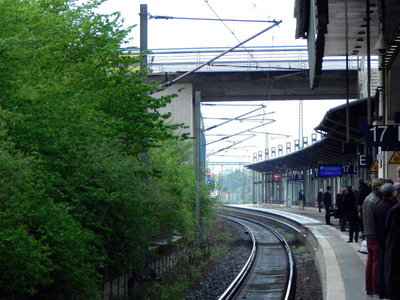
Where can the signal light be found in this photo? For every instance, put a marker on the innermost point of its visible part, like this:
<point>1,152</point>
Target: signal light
<point>276,176</point>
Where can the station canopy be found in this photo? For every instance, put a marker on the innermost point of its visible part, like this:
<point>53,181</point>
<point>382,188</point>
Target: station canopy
<point>333,148</point>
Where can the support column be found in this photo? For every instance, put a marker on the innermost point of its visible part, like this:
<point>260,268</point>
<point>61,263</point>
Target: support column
<point>285,186</point>
<point>307,189</point>
<point>254,187</point>
<point>197,153</point>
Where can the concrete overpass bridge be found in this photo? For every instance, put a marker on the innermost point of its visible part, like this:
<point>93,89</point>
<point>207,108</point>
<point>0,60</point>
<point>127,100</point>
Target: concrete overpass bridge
<point>265,85</point>
<point>267,73</point>
<point>253,73</point>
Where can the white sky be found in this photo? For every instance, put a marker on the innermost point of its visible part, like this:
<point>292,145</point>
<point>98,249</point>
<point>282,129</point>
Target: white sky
<point>185,33</point>
<point>286,114</point>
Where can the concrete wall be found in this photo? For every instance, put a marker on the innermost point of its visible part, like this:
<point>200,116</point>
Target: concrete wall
<point>181,106</point>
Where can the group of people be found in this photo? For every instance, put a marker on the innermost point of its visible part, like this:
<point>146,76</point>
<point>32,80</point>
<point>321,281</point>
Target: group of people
<point>348,208</point>
<point>381,220</point>
<point>375,212</point>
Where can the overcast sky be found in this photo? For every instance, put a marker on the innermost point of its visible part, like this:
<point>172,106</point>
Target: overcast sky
<point>175,33</point>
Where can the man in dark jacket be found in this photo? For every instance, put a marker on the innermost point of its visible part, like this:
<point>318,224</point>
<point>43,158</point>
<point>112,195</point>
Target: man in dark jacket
<point>392,249</point>
<point>368,207</point>
<point>327,198</point>
<point>302,199</point>
<point>362,193</point>
<point>340,208</point>
<point>380,214</point>
<point>350,211</point>
<point>319,199</point>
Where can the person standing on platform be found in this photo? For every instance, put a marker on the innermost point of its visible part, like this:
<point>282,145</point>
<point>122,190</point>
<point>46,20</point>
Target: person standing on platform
<point>340,209</point>
<point>380,212</point>
<point>302,200</point>
<point>371,268</point>
<point>350,211</point>
<point>319,199</point>
<point>362,192</point>
<point>392,249</point>
<point>327,199</point>
<point>398,173</point>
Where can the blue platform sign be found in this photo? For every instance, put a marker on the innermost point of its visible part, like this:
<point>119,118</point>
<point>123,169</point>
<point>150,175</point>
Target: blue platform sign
<point>330,170</point>
<point>385,136</point>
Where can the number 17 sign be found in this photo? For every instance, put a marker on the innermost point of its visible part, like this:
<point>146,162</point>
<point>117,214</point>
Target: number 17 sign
<point>385,136</point>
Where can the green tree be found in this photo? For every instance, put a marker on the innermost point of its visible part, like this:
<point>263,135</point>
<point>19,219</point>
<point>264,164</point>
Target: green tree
<point>77,197</point>
<point>43,250</point>
<point>172,190</point>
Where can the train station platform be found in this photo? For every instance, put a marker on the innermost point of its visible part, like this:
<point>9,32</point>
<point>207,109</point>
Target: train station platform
<point>341,266</point>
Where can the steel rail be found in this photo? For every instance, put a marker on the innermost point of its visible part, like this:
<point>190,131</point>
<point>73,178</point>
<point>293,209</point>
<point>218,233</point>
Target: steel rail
<point>233,287</point>
<point>291,276</point>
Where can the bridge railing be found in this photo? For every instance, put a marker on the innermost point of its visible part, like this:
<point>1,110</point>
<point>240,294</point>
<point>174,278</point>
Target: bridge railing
<point>253,58</point>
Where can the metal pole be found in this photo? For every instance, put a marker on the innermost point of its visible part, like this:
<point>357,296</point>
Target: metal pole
<point>347,76</point>
<point>143,36</point>
<point>254,187</point>
<point>301,124</point>
<point>368,63</point>
<point>197,159</point>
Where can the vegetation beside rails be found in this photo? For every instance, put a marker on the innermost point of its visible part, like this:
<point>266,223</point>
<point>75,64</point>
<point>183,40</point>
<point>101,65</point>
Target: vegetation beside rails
<point>200,258</point>
<point>90,171</point>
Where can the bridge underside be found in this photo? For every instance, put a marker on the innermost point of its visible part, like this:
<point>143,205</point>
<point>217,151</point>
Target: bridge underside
<point>263,85</point>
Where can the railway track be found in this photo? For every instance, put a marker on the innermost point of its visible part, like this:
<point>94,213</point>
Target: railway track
<point>270,271</point>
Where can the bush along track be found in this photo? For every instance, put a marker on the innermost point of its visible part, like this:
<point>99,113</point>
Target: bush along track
<point>91,174</point>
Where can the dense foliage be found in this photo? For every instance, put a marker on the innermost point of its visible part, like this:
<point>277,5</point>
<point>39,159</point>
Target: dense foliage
<point>236,186</point>
<point>90,172</point>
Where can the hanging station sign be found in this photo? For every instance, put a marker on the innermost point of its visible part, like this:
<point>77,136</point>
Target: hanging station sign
<point>385,136</point>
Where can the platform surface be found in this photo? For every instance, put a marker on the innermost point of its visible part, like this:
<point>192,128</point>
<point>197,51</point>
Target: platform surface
<point>343,267</point>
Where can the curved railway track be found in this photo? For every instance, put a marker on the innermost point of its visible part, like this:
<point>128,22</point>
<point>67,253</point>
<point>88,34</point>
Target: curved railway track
<point>270,271</point>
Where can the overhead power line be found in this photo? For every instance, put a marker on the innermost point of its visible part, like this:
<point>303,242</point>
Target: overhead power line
<point>234,35</point>
<point>226,148</point>
<point>236,118</point>
<point>171,82</point>
<point>210,19</point>
<point>228,104</point>
<point>239,133</point>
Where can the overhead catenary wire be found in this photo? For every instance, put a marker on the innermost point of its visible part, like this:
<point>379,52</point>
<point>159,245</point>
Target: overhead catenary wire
<point>249,119</point>
<point>228,147</point>
<point>272,133</point>
<point>231,31</point>
<point>210,19</point>
<point>247,130</point>
<point>171,82</point>
<point>224,134</point>
<point>260,67</point>
<point>232,119</point>
<point>256,6</point>
<point>250,54</point>
<point>224,155</point>
<point>275,23</point>
<point>230,104</point>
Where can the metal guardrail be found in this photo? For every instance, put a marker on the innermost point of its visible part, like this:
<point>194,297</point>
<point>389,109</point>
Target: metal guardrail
<point>253,58</point>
